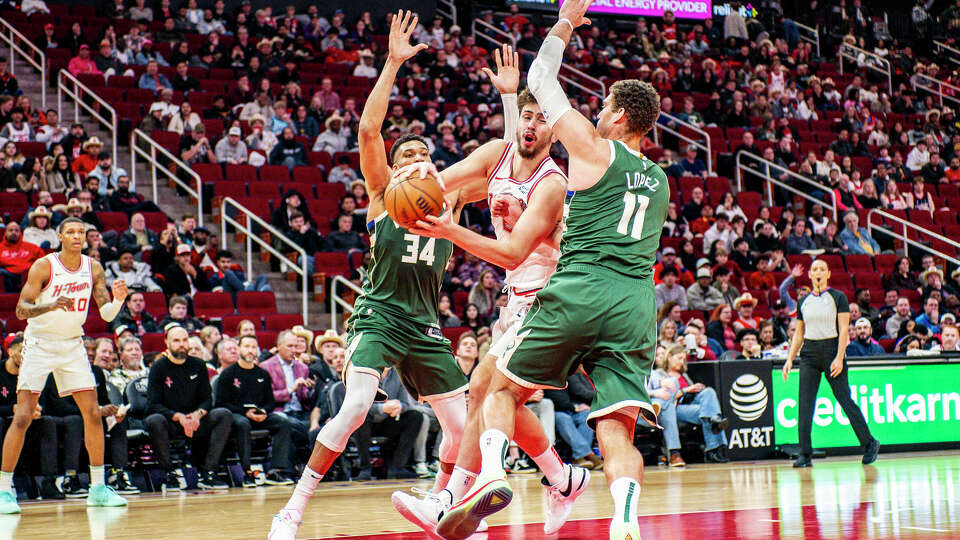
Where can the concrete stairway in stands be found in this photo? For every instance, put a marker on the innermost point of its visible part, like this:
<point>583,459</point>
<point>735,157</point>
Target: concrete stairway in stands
<point>286,292</point>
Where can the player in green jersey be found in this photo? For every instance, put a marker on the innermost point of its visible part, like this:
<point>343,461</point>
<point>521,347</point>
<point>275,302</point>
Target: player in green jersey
<point>394,323</point>
<point>598,310</point>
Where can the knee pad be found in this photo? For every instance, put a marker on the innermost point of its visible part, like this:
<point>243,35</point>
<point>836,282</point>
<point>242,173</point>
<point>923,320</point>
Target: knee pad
<point>361,389</point>
<point>452,414</point>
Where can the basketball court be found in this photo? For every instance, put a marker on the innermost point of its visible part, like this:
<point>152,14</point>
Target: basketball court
<point>901,496</point>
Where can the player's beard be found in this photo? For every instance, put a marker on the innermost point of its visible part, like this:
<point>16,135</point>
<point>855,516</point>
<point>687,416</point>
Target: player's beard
<point>526,153</point>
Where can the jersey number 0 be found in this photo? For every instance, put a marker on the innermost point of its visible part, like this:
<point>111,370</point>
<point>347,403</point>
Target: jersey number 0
<point>635,206</point>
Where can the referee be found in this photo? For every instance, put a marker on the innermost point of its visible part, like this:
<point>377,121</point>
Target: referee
<point>823,325</point>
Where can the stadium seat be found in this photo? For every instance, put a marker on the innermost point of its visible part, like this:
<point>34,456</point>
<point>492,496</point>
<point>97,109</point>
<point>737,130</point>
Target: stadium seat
<point>241,173</point>
<point>330,190</point>
<point>212,305</point>
<point>8,304</point>
<point>256,302</point>
<point>267,339</point>
<point>859,263</point>
<point>274,173</point>
<point>153,343</point>
<point>453,333</point>
<point>310,175</point>
<point>282,321</point>
<point>229,323</point>
<point>114,221</point>
<point>156,304</point>
<point>332,263</point>
<point>156,221</point>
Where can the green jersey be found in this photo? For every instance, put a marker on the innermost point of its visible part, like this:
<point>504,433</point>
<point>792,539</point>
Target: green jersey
<point>405,272</point>
<point>616,223</point>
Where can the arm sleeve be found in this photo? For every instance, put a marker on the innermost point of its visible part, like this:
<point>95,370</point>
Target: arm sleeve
<point>511,117</point>
<point>543,83</point>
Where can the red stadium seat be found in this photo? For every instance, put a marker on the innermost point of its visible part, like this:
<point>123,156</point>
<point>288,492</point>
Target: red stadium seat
<point>453,334</point>
<point>283,321</point>
<point>274,173</point>
<point>156,221</point>
<point>332,263</point>
<point>95,325</point>
<point>8,303</point>
<point>241,173</point>
<point>267,338</point>
<point>256,302</point>
<point>156,304</point>
<point>209,172</point>
<point>859,263</point>
<point>310,175</point>
<point>885,263</point>
<point>266,190</point>
<point>212,305</point>
<point>229,323</point>
<point>153,343</point>
<point>113,221</point>
<point>331,190</point>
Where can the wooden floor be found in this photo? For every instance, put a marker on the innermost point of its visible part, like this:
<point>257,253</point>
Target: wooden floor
<point>902,496</point>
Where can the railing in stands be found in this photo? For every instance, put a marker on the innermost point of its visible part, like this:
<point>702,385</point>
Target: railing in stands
<point>68,85</point>
<point>742,168</point>
<point>337,300</point>
<point>35,57</point>
<point>152,154</point>
<point>247,230</point>
<point>870,61</point>
<point>447,9</point>
<point>703,144</point>
<point>487,27</point>
<point>905,237</point>
<point>946,51</point>
<point>812,35</point>
<point>941,89</point>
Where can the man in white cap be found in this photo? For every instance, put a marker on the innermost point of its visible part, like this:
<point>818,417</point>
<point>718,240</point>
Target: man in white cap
<point>231,149</point>
<point>365,68</point>
<point>701,295</point>
<point>334,138</point>
<point>864,345</point>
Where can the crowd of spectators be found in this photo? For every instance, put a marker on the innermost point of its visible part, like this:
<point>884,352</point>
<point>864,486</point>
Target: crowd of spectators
<point>728,276</point>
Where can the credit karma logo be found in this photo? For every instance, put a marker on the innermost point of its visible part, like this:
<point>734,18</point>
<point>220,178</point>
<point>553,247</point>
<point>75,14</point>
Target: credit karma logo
<point>879,405</point>
<point>749,397</point>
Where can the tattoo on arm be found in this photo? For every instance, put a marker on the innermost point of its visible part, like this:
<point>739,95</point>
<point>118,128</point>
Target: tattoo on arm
<point>26,310</point>
<point>100,292</point>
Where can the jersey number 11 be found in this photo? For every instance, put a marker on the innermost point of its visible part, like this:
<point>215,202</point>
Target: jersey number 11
<point>634,207</point>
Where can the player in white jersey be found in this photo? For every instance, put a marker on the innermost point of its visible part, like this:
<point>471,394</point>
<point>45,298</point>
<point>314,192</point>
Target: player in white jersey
<point>525,189</point>
<point>54,301</point>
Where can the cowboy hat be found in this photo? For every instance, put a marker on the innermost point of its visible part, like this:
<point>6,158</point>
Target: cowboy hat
<point>333,118</point>
<point>305,333</point>
<point>329,335</point>
<point>929,272</point>
<point>40,211</point>
<point>258,118</point>
<point>745,298</point>
<point>74,203</point>
<point>92,141</point>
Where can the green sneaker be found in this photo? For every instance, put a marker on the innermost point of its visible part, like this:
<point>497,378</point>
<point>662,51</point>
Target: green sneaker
<point>8,503</point>
<point>104,495</point>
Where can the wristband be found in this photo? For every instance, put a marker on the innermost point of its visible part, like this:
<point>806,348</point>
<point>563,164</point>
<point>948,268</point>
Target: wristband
<point>566,20</point>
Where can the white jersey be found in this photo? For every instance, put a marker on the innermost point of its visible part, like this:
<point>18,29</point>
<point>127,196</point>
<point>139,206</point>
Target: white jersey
<point>537,268</point>
<point>77,284</point>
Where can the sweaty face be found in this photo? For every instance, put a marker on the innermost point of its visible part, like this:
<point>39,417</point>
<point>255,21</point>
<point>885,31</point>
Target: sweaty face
<point>533,132</point>
<point>411,152</point>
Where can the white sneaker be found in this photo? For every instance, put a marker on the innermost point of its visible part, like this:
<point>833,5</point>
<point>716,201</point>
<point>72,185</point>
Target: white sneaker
<point>483,527</point>
<point>424,512</point>
<point>624,531</point>
<point>285,525</point>
<point>560,498</point>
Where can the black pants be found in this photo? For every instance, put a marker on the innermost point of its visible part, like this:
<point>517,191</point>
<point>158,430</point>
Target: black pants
<point>401,433</point>
<point>815,358</point>
<point>116,442</point>
<point>214,430</point>
<point>40,440</point>
<point>70,430</point>
<point>278,425</point>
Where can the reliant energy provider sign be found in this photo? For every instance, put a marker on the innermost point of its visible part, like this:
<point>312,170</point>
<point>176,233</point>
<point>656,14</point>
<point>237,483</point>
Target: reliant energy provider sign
<point>903,405</point>
<point>682,9</point>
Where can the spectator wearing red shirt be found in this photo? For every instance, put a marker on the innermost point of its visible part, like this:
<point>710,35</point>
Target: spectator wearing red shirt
<point>516,17</point>
<point>16,257</point>
<point>669,260</point>
<point>762,278</point>
<point>88,160</point>
<point>669,30</point>
<point>744,305</point>
<point>82,63</point>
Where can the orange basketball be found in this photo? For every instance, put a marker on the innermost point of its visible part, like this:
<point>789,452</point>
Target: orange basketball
<point>412,198</point>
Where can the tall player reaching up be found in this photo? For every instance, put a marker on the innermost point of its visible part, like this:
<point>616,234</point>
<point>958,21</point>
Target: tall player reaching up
<point>517,174</point>
<point>394,322</point>
<point>598,310</point>
<point>54,302</point>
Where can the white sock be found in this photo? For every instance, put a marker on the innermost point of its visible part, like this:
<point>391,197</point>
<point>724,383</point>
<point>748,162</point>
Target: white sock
<point>96,475</point>
<point>460,482</point>
<point>6,481</point>
<point>625,493</point>
<point>443,478</point>
<point>304,489</point>
<point>551,466</point>
<point>493,449</point>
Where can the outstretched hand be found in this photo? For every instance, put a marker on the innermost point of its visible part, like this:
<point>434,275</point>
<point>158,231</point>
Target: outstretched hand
<point>120,290</point>
<point>433,226</point>
<point>507,78</point>
<point>401,27</point>
<point>574,11</point>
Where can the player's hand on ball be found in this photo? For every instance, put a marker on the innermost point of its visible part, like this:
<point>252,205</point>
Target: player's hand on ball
<point>120,290</point>
<point>433,226</point>
<point>63,302</point>
<point>422,169</point>
<point>401,27</point>
<point>507,78</point>
<point>574,11</point>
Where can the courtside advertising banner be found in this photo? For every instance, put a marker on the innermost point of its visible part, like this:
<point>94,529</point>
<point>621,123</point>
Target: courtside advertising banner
<point>902,404</point>
<point>682,9</point>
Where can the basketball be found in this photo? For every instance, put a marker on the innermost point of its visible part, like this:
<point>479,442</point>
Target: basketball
<point>414,197</point>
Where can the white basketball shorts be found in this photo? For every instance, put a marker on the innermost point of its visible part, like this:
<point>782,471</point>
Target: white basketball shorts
<point>66,359</point>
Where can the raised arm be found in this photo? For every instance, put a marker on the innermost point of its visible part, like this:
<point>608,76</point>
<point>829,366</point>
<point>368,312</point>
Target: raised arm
<point>373,154</point>
<point>506,81</point>
<point>108,309</point>
<point>586,147</point>
<point>536,225</point>
<point>37,277</point>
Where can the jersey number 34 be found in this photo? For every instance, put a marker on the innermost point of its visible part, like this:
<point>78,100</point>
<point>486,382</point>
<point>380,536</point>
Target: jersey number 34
<point>635,206</point>
<point>414,253</point>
